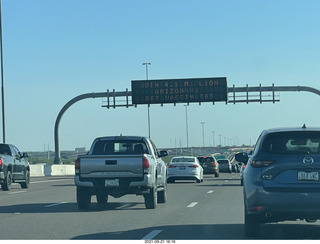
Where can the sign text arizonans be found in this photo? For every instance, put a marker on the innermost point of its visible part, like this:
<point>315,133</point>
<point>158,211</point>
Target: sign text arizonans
<point>179,90</point>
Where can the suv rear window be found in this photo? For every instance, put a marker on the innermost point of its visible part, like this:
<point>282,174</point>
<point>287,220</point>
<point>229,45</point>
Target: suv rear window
<point>113,147</point>
<point>205,159</point>
<point>293,142</point>
<point>223,161</point>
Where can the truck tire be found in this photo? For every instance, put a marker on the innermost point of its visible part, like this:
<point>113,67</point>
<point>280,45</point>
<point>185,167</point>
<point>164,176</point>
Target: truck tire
<point>7,182</point>
<point>150,199</point>
<point>27,178</point>
<point>102,199</point>
<point>83,198</point>
<point>162,195</point>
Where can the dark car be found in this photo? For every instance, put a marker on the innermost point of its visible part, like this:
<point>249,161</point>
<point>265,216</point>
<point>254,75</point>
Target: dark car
<point>281,178</point>
<point>209,165</point>
<point>225,165</point>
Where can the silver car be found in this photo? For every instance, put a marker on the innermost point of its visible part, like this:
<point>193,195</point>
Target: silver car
<point>281,178</point>
<point>184,168</point>
<point>225,165</point>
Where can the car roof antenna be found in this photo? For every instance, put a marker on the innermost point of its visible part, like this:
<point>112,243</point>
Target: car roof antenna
<point>304,126</point>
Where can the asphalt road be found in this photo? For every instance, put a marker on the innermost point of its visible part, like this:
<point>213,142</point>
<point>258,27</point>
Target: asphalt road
<point>210,210</point>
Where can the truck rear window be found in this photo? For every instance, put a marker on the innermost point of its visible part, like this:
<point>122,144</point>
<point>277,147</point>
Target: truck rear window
<point>4,149</point>
<point>293,142</point>
<point>113,147</point>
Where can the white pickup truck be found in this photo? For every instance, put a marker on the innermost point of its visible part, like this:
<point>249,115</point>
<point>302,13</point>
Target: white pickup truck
<point>121,165</point>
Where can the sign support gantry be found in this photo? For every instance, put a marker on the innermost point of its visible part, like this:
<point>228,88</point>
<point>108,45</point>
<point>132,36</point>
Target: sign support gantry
<point>234,95</point>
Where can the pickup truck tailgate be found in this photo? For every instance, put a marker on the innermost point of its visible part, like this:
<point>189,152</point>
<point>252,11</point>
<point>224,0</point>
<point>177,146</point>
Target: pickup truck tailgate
<point>111,166</point>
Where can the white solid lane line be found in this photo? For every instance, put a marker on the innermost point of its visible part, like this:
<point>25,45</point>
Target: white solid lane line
<point>151,235</point>
<point>16,192</point>
<point>54,204</point>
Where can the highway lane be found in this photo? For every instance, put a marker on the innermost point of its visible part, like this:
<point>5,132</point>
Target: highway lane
<point>209,210</point>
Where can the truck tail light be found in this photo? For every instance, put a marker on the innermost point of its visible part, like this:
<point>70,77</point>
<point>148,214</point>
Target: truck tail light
<point>214,163</point>
<point>77,166</point>
<point>145,165</point>
<point>0,162</point>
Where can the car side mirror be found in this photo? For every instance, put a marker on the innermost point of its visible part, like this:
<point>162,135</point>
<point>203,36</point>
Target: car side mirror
<point>25,155</point>
<point>241,157</point>
<point>163,153</point>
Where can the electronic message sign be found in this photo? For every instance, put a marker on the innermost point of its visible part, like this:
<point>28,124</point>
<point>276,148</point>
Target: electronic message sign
<point>179,90</point>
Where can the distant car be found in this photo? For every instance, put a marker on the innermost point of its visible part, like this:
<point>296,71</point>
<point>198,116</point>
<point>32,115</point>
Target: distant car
<point>235,167</point>
<point>209,165</point>
<point>281,179</point>
<point>243,166</point>
<point>184,168</point>
<point>225,165</point>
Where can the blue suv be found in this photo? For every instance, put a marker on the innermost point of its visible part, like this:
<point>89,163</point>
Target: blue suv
<point>281,178</point>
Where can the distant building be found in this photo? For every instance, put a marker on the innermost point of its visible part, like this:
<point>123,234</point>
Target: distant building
<point>80,149</point>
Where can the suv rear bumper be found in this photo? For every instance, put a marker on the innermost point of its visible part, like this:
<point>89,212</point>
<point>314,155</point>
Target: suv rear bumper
<point>280,206</point>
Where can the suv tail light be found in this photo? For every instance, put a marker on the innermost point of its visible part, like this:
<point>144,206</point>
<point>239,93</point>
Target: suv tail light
<point>145,165</point>
<point>260,163</point>
<point>214,163</point>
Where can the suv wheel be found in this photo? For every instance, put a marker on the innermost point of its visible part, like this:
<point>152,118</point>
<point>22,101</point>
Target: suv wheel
<point>251,225</point>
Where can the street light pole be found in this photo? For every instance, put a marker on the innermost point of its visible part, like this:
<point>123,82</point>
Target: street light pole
<point>2,82</point>
<point>213,138</point>
<point>147,75</point>
<point>202,123</point>
<point>186,106</point>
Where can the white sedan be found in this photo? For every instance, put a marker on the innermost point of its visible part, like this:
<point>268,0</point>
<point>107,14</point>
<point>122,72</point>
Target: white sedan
<point>184,168</point>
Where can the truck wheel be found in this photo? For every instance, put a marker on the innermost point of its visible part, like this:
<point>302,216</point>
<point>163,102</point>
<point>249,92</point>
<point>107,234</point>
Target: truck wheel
<point>27,178</point>
<point>150,199</point>
<point>83,198</point>
<point>102,198</point>
<point>7,182</point>
<point>162,195</point>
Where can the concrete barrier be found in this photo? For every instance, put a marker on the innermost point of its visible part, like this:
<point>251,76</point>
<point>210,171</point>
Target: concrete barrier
<point>36,170</point>
<point>51,170</point>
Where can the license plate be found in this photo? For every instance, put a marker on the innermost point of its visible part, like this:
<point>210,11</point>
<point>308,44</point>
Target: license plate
<point>204,166</point>
<point>308,175</point>
<point>112,183</point>
<point>182,167</point>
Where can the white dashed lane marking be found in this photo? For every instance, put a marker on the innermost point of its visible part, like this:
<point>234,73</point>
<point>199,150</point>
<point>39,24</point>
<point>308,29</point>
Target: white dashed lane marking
<point>192,204</point>
<point>151,235</point>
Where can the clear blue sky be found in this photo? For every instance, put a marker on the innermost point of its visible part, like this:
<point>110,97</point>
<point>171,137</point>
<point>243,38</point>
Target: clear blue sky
<point>55,50</point>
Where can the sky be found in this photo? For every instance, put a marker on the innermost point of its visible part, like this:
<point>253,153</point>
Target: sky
<point>55,50</point>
